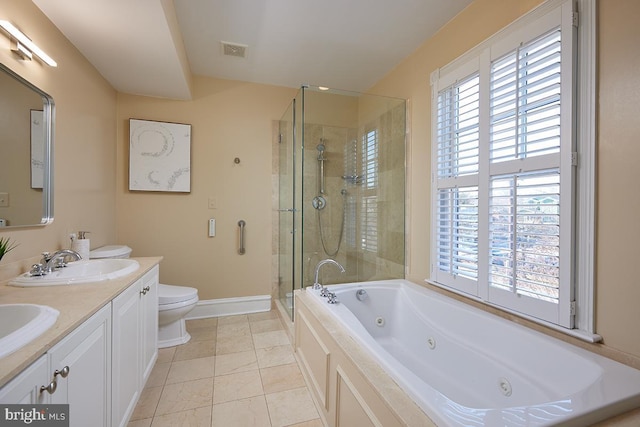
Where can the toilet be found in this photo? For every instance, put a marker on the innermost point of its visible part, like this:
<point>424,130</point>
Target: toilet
<point>174,302</point>
<point>110,251</point>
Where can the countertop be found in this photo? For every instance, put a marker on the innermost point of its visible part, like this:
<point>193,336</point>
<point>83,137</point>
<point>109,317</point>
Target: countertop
<point>76,303</point>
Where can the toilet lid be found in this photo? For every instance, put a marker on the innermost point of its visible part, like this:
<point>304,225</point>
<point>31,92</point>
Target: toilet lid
<point>110,251</point>
<point>168,294</point>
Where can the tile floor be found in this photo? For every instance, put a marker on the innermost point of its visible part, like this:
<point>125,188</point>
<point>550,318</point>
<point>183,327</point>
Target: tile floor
<point>235,371</point>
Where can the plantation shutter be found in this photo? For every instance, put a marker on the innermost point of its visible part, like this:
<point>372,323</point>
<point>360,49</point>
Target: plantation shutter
<point>531,174</point>
<point>456,184</point>
<point>503,170</point>
<point>351,179</point>
<point>369,177</point>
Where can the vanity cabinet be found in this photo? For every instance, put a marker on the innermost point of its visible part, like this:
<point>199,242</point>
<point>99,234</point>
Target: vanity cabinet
<point>101,366</point>
<point>81,366</point>
<point>25,388</point>
<point>75,371</point>
<point>134,341</point>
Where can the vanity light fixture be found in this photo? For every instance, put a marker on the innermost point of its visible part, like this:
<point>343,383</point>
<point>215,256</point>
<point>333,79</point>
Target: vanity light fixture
<point>22,51</point>
<point>24,46</point>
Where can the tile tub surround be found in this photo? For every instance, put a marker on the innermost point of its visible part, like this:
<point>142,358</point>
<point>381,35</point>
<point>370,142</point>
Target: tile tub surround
<point>76,304</point>
<point>236,371</point>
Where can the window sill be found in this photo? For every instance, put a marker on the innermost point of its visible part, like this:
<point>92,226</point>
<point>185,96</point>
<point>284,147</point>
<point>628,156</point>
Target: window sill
<point>492,308</point>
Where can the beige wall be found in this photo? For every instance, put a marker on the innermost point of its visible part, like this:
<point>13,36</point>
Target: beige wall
<point>618,293</point>
<point>85,137</point>
<point>228,119</point>
<point>233,119</point>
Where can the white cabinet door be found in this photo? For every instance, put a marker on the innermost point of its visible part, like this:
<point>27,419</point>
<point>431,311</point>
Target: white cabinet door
<point>81,366</point>
<point>135,344</point>
<point>126,375</point>
<point>149,320</point>
<point>25,388</point>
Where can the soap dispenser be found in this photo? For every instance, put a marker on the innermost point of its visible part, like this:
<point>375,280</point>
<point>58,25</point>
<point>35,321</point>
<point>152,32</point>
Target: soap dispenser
<point>82,245</point>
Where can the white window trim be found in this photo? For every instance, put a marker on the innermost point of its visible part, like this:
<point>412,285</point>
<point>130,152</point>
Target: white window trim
<point>584,322</point>
<point>586,173</point>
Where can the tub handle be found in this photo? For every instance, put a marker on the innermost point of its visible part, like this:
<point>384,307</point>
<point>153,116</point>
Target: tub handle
<point>241,225</point>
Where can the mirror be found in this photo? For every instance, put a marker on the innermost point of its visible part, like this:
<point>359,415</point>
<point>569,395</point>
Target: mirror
<point>26,152</point>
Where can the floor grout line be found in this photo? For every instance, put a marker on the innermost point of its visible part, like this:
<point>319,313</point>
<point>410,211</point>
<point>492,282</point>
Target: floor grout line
<point>255,326</point>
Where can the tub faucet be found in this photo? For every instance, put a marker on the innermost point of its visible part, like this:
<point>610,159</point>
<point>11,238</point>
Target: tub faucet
<point>316,284</point>
<point>57,259</point>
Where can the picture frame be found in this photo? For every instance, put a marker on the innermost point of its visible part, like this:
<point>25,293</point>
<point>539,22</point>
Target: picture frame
<point>37,149</point>
<point>159,156</point>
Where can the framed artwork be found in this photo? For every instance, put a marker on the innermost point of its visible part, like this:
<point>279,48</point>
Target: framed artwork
<point>37,149</point>
<point>159,156</point>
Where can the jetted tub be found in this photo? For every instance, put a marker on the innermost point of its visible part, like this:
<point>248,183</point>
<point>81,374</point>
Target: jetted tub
<point>467,367</point>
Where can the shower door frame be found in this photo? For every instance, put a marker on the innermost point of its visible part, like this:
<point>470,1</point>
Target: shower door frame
<point>291,204</point>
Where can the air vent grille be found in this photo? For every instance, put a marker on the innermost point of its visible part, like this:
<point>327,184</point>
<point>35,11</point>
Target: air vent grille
<point>234,49</point>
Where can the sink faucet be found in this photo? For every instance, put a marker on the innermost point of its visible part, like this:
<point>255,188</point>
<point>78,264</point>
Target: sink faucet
<point>316,284</point>
<point>49,262</point>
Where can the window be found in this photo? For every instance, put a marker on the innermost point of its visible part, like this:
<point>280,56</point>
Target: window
<point>457,184</point>
<point>504,168</point>
<point>370,160</point>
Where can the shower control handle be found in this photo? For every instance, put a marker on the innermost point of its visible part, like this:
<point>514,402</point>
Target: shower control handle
<point>332,298</point>
<point>319,202</point>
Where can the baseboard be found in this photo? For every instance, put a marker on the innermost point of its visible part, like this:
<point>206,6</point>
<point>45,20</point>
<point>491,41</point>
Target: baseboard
<point>230,306</point>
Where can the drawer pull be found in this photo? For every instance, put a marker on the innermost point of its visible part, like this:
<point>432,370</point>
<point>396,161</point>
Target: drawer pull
<point>64,372</point>
<point>51,388</point>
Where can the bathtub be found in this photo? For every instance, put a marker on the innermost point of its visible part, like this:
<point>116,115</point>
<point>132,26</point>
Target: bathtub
<point>465,367</point>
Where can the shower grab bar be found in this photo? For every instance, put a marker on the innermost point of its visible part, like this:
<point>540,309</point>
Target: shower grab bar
<point>241,224</point>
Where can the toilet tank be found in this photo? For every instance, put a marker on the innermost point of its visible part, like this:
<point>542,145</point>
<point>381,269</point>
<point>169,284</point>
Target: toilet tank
<point>110,251</point>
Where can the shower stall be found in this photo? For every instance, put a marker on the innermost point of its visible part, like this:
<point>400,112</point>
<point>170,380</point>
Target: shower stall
<point>340,159</point>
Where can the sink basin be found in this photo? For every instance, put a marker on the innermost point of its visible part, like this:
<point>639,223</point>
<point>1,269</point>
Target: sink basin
<point>22,323</point>
<point>78,272</point>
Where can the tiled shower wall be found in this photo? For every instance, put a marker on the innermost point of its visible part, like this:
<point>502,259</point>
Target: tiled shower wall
<point>344,199</point>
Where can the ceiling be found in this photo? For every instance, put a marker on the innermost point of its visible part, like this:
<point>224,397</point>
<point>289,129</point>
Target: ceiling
<point>152,47</point>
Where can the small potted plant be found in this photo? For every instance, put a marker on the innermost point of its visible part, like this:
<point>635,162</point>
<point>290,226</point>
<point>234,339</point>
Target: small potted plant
<point>6,246</point>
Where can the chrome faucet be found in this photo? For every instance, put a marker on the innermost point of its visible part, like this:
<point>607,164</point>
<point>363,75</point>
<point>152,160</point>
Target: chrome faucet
<point>316,284</point>
<point>51,262</point>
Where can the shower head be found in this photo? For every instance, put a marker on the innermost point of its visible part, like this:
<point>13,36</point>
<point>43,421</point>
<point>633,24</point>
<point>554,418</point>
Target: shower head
<point>320,147</point>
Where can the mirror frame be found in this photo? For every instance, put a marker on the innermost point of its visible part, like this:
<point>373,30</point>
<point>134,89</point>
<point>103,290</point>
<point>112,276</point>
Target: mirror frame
<point>48,116</point>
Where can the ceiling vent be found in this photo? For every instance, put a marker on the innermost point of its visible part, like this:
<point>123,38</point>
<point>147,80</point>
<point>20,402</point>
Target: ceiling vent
<point>234,49</point>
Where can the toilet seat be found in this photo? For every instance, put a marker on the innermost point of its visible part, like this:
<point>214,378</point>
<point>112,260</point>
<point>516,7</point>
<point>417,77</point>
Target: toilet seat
<point>170,296</point>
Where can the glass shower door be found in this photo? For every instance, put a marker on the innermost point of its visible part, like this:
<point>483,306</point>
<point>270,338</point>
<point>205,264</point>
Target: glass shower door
<point>286,209</point>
